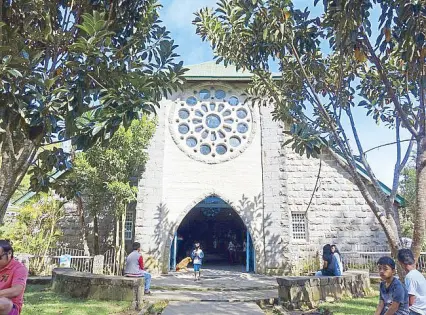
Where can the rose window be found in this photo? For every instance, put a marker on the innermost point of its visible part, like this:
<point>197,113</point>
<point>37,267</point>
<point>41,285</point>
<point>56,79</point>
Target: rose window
<point>212,125</point>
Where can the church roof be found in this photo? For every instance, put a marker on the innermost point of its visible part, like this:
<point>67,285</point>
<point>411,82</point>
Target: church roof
<point>212,71</point>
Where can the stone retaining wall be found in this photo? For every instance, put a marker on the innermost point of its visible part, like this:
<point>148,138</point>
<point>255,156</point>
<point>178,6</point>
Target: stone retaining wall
<point>300,292</point>
<point>98,287</point>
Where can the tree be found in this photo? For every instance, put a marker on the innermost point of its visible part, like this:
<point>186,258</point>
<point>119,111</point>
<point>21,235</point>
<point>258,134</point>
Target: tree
<point>35,230</point>
<point>75,70</point>
<point>319,89</point>
<point>103,179</point>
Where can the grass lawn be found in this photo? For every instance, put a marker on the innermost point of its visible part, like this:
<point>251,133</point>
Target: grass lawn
<point>360,306</point>
<point>39,299</point>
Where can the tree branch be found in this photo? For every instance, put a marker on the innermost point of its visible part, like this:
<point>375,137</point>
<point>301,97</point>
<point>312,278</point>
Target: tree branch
<point>364,161</point>
<point>376,61</point>
<point>315,187</point>
<point>96,81</point>
<point>386,144</point>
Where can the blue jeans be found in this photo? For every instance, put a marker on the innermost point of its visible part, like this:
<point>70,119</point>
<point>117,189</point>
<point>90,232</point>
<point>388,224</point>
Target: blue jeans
<point>147,277</point>
<point>414,313</point>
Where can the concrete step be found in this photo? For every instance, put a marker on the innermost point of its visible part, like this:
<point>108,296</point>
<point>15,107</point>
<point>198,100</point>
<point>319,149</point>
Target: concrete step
<point>258,296</point>
<point>210,308</point>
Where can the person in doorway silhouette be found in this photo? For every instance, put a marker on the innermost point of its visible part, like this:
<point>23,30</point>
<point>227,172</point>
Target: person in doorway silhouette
<point>231,250</point>
<point>197,259</point>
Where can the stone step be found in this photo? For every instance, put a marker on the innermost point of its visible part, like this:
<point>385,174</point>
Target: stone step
<point>259,296</point>
<point>195,287</point>
<point>210,308</point>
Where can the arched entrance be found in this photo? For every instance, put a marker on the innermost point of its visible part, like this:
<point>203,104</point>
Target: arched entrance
<point>214,223</point>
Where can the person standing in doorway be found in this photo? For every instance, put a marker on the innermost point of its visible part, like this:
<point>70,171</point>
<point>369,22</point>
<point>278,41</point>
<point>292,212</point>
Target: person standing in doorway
<point>197,259</point>
<point>231,250</point>
<point>135,267</point>
<point>414,282</point>
<point>13,280</point>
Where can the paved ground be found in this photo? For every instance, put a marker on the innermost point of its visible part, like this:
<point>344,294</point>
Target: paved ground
<point>212,308</point>
<point>215,280</point>
<point>214,296</point>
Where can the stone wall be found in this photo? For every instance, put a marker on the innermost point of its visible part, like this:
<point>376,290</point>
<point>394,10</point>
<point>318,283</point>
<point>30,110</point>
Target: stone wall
<point>302,292</point>
<point>72,233</point>
<point>277,223</point>
<point>97,287</point>
<point>338,213</point>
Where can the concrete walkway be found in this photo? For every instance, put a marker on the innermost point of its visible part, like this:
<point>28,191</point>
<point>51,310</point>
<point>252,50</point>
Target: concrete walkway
<point>212,308</point>
<point>224,292</point>
<point>215,280</point>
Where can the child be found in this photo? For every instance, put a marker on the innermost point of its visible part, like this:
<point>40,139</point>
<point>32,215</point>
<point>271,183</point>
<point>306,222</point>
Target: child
<point>197,258</point>
<point>393,296</point>
<point>414,282</point>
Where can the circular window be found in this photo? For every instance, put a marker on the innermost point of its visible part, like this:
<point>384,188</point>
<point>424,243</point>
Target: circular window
<point>242,128</point>
<point>220,94</point>
<point>208,127</point>
<point>183,114</point>
<point>233,101</point>
<point>213,121</point>
<point>234,141</point>
<point>221,149</point>
<point>205,149</point>
<point>191,142</point>
<point>183,129</point>
<point>241,113</point>
<point>204,94</point>
<point>191,101</point>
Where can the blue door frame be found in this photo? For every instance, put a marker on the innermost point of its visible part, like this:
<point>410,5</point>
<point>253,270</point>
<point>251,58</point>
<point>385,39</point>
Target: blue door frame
<point>173,253</point>
<point>250,254</point>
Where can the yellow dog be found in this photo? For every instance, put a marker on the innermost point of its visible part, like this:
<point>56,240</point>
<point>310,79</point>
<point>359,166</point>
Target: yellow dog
<point>183,265</point>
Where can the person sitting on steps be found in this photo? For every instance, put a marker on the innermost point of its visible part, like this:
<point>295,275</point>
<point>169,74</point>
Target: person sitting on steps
<point>135,268</point>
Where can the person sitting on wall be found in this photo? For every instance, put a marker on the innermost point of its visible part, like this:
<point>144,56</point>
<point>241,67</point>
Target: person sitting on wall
<point>13,280</point>
<point>135,268</point>
<point>330,264</point>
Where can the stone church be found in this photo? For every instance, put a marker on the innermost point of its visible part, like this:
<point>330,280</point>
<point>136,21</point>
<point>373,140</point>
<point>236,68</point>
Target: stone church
<point>218,173</point>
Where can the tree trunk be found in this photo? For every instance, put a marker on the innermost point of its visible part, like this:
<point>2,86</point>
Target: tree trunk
<point>95,234</point>
<point>117,243</point>
<point>123,241</point>
<point>12,171</point>
<point>420,213</point>
<point>84,232</point>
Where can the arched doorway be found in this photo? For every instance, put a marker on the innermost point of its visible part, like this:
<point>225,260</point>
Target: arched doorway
<point>214,223</point>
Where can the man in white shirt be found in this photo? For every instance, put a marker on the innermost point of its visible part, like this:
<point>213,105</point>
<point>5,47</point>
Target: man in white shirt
<point>415,283</point>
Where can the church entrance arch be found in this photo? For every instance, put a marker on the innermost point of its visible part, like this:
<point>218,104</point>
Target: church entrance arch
<point>219,229</point>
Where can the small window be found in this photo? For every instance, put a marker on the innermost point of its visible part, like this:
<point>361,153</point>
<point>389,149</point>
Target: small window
<point>299,225</point>
<point>128,226</point>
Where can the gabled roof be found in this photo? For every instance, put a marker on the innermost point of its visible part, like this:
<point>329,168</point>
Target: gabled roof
<point>212,71</point>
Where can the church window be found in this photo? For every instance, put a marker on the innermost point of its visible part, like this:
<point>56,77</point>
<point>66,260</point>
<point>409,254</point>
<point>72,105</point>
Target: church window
<point>210,123</point>
<point>128,226</point>
<point>299,225</point>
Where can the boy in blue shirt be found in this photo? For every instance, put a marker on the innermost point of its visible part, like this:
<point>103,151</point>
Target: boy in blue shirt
<point>393,295</point>
<point>415,283</point>
<point>197,259</point>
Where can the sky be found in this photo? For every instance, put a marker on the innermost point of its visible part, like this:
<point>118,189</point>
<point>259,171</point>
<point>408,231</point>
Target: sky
<point>177,16</point>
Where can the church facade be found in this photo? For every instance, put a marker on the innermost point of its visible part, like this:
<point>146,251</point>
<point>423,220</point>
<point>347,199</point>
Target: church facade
<point>210,143</point>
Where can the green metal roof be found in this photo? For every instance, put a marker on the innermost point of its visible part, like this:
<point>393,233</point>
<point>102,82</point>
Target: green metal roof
<point>212,71</point>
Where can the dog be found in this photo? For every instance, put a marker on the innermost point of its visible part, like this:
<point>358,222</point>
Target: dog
<point>183,265</point>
